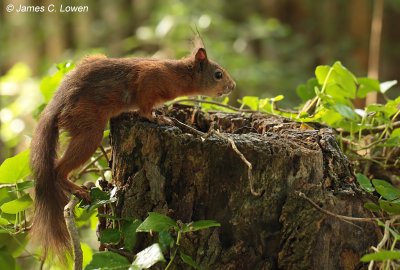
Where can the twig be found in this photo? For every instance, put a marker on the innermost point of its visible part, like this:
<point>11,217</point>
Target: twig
<point>83,170</point>
<point>42,261</point>
<point>376,129</point>
<point>104,154</point>
<point>248,164</point>
<point>214,103</point>
<point>187,127</point>
<point>341,217</point>
<point>95,170</point>
<point>383,241</point>
<point>8,186</point>
<point>73,232</point>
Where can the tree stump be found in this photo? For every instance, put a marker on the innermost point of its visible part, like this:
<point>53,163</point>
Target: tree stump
<point>175,171</point>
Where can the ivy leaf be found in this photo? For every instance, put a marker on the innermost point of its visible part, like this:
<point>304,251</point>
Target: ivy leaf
<point>15,168</point>
<point>165,240</point>
<point>110,236</point>
<point>148,257</point>
<point>390,206</point>
<point>381,255</point>
<point>387,85</point>
<point>98,198</point>
<point>7,262</point>
<point>129,233</point>
<point>364,182</point>
<point>188,260</point>
<point>17,205</point>
<point>108,260</point>
<point>200,225</point>
<point>372,206</point>
<point>156,222</point>
<point>386,190</point>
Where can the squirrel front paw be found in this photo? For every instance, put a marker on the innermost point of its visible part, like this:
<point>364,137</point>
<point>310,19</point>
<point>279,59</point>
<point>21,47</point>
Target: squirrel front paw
<point>82,193</point>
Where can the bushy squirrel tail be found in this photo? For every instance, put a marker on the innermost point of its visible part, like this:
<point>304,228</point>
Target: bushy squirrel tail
<point>48,228</point>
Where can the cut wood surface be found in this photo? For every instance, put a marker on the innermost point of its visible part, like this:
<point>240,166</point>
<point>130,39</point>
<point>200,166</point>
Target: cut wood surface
<point>177,171</point>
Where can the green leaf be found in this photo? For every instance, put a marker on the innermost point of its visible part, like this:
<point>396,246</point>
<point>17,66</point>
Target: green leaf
<point>110,236</point>
<point>108,260</point>
<point>188,260</point>
<point>4,221</point>
<point>7,262</point>
<point>250,101</point>
<point>346,111</point>
<point>364,182</point>
<point>386,190</point>
<point>394,139</point>
<point>278,98</point>
<point>129,233</point>
<point>321,72</point>
<point>25,185</point>
<point>387,85</point>
<point>106,133</point>
<point>165,240</point>
<point>15,168</point>
<point>392,142</point>
<point>17,205</point>
<point>395,133</point>
<point>200,225</point>
<point>390,206</point>
<point>345,79</point>
<point>148,257</point>
<point>372,206</point>
<point>97,194</point>
<point>381,255</point>
<point>156,222</point>
<point>98,198</point>
<point>367,85</point>
<point>18,73</point>
<point>307,91</point>
<point>331,117</point>
<point>265,105</point>
<point>49,84</point>
<point>87,254</point>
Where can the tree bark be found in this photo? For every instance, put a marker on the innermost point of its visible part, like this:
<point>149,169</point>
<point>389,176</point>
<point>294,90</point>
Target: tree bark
<point>173,170</point>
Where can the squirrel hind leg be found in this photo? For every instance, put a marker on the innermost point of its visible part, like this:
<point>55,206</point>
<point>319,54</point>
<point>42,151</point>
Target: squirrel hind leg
<point>80,148</point>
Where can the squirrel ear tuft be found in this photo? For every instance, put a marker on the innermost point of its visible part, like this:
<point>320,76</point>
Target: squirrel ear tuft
<point>201,54</point>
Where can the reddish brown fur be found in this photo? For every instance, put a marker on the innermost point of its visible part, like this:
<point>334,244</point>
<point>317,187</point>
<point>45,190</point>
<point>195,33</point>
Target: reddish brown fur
<point>98,89</point>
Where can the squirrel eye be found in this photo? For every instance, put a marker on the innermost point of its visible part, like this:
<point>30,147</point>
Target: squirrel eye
<point>218,75</point>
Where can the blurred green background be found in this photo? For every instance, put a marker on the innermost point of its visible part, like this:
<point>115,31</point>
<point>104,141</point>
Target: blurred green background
<point>268,46</point>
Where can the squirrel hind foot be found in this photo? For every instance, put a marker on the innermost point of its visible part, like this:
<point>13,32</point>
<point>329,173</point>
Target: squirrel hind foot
<point>79,191</point>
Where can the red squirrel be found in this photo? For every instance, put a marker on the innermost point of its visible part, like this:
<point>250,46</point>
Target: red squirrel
<point>96,90</point>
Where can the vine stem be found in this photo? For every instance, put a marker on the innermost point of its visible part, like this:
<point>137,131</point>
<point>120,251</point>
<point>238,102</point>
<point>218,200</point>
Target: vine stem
<point>73,232</point>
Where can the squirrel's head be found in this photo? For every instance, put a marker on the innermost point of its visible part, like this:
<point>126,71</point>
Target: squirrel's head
<point>210,78</point>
